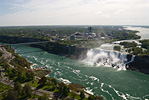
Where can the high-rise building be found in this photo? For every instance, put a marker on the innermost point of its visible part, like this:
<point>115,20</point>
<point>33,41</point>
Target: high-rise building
<point>90,29</point>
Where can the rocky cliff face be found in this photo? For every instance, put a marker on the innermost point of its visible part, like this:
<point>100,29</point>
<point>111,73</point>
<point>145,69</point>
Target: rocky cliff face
<point>140,63</point>
<point>52,47</point>
<point>63,50</point>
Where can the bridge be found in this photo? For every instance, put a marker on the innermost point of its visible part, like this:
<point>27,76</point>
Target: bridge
<point>20,44</point>
<point>2,45</point>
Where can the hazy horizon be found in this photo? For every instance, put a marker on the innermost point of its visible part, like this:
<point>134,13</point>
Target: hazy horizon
<point>73,12</point>
<point>70,25</point>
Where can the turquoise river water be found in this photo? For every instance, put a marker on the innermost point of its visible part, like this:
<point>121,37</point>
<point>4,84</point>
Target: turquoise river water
<point>106,81</point>
<point>111,83</point>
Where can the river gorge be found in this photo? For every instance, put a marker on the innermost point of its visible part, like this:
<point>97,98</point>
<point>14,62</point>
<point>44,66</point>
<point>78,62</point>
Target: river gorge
<point>106,76</point>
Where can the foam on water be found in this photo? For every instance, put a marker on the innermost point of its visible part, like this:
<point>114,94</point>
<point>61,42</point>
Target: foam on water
<point>88,90</point>
<point>94,78</point>
<point>102,84</point>
<point>106,56</point>
<point>64,80</point>
<point>35,58</point>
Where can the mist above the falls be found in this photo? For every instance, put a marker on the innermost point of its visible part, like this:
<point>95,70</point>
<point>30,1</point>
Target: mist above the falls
<point>106,56</point>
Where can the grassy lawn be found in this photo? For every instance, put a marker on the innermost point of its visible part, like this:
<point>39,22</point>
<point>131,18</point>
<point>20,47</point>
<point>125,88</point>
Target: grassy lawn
<point>46,87</point>
<point>34,96</point>
<point>41,73</point>
<point>77,97</point>
<point>73,94</point>
<point>34,83</point>
<point>49,88</point>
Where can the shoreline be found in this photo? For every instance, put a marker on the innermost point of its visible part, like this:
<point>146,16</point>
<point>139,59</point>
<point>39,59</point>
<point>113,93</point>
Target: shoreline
<point>31,66</point>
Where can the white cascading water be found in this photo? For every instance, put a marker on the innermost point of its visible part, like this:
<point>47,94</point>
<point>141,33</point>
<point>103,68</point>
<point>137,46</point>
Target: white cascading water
<point>109,58</point>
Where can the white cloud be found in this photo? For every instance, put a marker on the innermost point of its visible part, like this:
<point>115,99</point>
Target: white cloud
<point>50,12</point>
<point>99,12</point>
<point>119,11</point>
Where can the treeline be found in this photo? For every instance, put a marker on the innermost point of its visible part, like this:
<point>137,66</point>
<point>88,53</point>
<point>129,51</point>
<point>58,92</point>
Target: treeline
<point>20,72</point>
<point>145,44</point>
<point>18,61</point>
<point>63,91</point>
<point>19,75</point>
<point>45,29</point>
<point>128,44</point>
<point>134,49</point>
<point>117,48</point>
<point>123,34</point>
<point>17,39</point>
<point>19,92</point>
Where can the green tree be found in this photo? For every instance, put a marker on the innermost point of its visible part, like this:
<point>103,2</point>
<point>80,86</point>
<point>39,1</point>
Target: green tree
<point>1,53</point>
<point>55,98</point>
<point>90,97</point>
<point>42,81</point>
<point>53,80</point>
<point>29,76</point>
<point>73,94</point>
<point>60,87</point>
<point>18,88</point>
<point>66,90</point>
<point>11,95</point>
<point>12,73</point>
<point>27,91</point>
<point>21,77</point>
<point>44,97</point>
<point>82,96</point>
<point>118,48</point>
<point>4,95</point>
<point>4,64</point>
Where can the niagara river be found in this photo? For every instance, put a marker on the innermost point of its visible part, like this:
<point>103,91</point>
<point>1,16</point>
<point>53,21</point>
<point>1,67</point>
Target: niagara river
<point>97,75</point>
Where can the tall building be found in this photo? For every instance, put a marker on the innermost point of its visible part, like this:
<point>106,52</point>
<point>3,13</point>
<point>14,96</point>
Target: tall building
<point>90,29</point>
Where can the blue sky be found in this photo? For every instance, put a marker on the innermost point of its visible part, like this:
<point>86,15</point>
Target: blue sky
<point>74,12</point>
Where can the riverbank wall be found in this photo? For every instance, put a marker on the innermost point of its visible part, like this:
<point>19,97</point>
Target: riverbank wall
<point>140,64</point>
<point>63,50</point>
<point>51,47</point>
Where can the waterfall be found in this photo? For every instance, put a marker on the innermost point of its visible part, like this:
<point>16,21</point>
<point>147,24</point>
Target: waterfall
<point>132,59</point>
<point>109,58</point>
